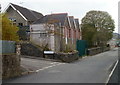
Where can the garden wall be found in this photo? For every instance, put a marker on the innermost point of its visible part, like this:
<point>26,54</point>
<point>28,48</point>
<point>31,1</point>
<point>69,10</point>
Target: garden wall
<point>64,57</point>
<point>10,66</point>
<point>97,50</point>
<point>10,60</point>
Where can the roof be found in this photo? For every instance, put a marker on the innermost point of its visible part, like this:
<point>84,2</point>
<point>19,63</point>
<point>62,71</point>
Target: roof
<point>53,18</point>
<point>71,18</point>
<point>77,22</point>
<point>30,15</point>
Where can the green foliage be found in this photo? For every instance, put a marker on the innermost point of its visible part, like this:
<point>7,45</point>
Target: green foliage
<point>97,28</point>
<point>0,27</point>
<point>9,31</point>
<point>68,48</point>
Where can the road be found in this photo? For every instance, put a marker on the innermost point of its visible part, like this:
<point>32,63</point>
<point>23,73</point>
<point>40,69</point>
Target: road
<point>91,69</point>
<point>37,64</point>
<point>115,77</point>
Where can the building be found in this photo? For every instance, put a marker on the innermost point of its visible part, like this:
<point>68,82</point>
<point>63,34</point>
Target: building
<point>57,31</point>
<point>21,16</point>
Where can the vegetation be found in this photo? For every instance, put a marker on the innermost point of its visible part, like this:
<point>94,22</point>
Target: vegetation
<point>9,31</point>
<point>0,27</point>
<point>68,48</point>
<point>97,28</point>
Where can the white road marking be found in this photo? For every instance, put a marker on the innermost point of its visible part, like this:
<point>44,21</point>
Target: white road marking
<point>28,60</point>
<point>51,64</point>
<point>49,67</point>
<point>54,71</point>
<point>111,72</point>
<point>54,63</point>
<point>84,57</point>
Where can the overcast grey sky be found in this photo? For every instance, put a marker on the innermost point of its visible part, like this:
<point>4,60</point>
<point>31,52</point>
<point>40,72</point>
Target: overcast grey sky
<point>76,8</point>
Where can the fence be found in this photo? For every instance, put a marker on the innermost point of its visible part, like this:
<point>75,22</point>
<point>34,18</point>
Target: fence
<point>7,47</point>
<point>81,47</point>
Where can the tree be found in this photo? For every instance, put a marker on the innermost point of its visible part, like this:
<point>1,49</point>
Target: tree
<point>97,28</point>
<point>9,31</point>
<point>0,27</point>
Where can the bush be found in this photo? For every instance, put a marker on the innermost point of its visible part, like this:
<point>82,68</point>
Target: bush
<point>68,48</point>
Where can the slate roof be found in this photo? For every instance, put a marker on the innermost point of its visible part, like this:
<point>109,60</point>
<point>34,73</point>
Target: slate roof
<point>67,24</point>
<point>72,21</point>
<point>30,15</point>
<point>77,23</point>
<point>56,18</point>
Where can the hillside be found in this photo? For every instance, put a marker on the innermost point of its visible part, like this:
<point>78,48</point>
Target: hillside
<point>116,36</point>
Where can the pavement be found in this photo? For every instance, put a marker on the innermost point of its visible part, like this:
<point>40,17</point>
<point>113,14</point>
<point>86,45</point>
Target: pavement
<point>91,69</point>
<point>30,64</point>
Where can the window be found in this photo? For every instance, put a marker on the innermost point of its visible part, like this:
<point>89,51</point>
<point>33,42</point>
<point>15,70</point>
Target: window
<point>20,24</point>
<point>43,34</point>
<point>75,34</point>
<point>13,21</point>
<point>69,33</point>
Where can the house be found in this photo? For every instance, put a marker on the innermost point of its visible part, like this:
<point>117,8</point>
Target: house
<point>21,16</point>
<point>56,31</point>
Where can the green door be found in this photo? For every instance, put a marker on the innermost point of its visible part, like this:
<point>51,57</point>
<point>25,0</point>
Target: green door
<point>81,47</point>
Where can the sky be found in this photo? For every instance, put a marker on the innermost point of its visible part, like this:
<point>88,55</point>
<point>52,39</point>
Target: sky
<point>76,8</point>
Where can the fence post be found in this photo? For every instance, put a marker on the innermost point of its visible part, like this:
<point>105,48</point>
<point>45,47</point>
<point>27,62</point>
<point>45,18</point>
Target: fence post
<point>18,48</point>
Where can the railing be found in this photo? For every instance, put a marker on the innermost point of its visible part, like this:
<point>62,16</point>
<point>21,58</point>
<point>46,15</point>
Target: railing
<point>7,47</point>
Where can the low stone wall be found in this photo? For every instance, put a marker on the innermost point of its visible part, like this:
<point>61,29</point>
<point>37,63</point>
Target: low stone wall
<point>64,57</point>
<point>106,49</point>
<point>10,66</point>
<point>11,61</point>
<point>97,50</point>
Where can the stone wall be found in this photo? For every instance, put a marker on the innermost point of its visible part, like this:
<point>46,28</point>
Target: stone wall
<point>97,50</point>
<point>64,57</point>
<point>31,50</point>
<point>10,66</point>
<point>10,61</point>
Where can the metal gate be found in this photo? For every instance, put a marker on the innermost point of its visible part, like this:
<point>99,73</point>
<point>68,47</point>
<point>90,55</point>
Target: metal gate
<point>81,46</point>
<point>7,47</point>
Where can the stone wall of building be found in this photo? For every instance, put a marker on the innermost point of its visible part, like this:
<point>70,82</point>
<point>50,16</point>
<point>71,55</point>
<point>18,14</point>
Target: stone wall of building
<point>12,14</point>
